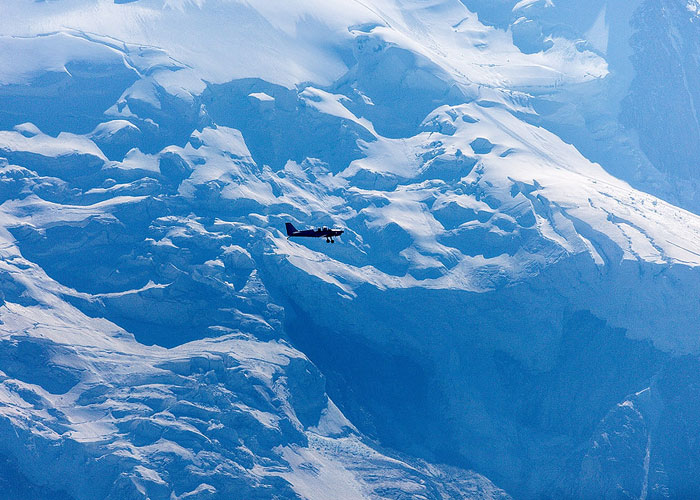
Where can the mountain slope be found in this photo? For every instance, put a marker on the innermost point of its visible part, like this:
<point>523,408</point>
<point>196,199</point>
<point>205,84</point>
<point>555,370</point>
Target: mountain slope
<point>498,301</point>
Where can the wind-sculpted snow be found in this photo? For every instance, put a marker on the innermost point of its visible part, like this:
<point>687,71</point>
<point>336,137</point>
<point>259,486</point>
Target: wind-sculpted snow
<point>498,301</point>
<point>88,412</point>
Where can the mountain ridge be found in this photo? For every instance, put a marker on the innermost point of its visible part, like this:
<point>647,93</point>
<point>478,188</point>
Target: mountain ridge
<point>485,307</point>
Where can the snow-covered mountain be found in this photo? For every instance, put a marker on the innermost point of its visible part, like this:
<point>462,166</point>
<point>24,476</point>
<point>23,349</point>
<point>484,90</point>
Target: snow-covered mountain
<point>513,306</point>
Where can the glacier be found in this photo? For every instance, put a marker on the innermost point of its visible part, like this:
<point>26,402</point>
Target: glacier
<point>512,311</point>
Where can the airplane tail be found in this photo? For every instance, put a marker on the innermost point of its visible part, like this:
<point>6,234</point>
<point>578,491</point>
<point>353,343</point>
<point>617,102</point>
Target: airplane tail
<point>290,229</point>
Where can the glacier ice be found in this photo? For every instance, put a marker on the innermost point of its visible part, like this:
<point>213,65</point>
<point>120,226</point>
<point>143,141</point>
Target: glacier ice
<point>514,303</point>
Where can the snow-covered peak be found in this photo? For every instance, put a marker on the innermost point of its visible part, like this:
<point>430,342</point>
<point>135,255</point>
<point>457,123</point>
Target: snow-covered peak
<point>307,41</point>
<point>162,334</point>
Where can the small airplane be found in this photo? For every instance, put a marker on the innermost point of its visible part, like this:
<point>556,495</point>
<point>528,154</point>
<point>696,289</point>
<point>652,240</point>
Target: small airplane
<point>314,233</point>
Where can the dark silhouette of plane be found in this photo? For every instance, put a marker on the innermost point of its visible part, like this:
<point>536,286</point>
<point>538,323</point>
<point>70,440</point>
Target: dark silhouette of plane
<point>314,233</point>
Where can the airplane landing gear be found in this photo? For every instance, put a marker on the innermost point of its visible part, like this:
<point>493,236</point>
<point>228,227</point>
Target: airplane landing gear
<point>332,240</point>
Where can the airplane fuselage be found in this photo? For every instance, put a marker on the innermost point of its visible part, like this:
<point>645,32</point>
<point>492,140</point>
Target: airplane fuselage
<point>321,232</point>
